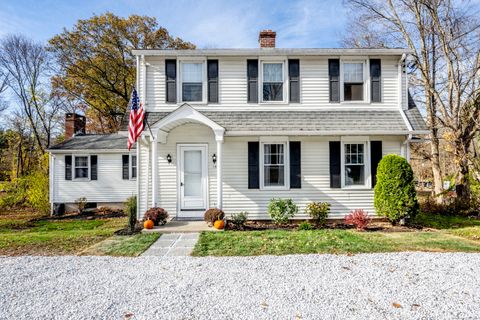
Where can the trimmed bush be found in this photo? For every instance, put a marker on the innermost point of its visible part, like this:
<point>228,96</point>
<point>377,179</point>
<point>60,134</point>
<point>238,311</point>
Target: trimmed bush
<point>157,215</point>
<point>239,219</point>
<point>281,210</point>
<point>318,211</point>
<point>395,195</point>
<point>305,225</point>
<point>212,215</point>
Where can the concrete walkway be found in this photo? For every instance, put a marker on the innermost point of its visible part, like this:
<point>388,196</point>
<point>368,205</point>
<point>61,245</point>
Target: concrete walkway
<point>173,245</point>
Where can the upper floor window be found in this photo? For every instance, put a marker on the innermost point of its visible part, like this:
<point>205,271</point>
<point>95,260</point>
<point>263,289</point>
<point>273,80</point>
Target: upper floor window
<point>273,81</point>
<point>353,81</point>
<point>192,81</point>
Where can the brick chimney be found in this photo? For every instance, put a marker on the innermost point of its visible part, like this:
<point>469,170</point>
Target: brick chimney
<point>74,124</point>
<point>266,38</point>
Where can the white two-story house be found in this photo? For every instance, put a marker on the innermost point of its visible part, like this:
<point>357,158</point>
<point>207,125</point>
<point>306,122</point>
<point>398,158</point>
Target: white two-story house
<point>234,128</point>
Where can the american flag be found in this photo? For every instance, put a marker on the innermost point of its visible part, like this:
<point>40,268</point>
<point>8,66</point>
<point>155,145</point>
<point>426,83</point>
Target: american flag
<point>135,123</point>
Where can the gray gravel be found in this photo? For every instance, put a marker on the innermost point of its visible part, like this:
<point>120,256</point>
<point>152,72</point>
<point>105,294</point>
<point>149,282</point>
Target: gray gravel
<point>368,286</point>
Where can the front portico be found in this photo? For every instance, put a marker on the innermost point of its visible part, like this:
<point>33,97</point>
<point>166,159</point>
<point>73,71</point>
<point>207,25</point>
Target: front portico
<point>184,151</point>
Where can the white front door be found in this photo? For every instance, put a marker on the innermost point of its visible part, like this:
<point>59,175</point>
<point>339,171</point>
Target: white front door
<point>193,177</point>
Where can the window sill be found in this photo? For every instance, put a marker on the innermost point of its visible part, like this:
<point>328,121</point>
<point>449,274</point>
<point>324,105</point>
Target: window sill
<point>275,188</point>
<point>356,188</point>
<point>81,179</point>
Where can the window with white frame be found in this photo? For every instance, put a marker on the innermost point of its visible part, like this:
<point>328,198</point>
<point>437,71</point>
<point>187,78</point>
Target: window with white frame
<point>133,166</point>
<point>353,81</point>
<point>272,75</point>
<point>192,81</point>
<point>274,162</point>
<point>355,169</point>
<point>81,167</point>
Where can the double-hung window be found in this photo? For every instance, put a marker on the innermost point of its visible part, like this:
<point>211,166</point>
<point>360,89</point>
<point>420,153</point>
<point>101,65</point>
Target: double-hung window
<point>273,78</point>
<point>192,81</point>
<point>353,81</point>
<point>81,168</point>
<point>133,166</point>
<point>274,162</point>
<point>355,168</point>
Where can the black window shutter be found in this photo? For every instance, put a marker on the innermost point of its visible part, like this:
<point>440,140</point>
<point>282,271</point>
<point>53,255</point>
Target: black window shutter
<point>212,72</point>
<point>68,167</point>
<point>375,80</point>
<point>252,80</point>
<point>375,157</point>
<point>334,79</point>
<point>171,80</point>
<point>125,160</point>
<point>335,165</point>
<point>294,79</point>
<point>295,165</point>
<point>253,165</point>
<point>93,167</point>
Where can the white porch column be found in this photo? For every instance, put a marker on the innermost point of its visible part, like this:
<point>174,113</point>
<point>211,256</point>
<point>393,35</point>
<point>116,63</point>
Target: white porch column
<point>219,174</point>
<point>154,171</point>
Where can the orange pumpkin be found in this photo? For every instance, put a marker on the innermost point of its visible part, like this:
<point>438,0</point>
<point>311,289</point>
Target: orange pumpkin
<point>219,224</point>
<point>148,224</point>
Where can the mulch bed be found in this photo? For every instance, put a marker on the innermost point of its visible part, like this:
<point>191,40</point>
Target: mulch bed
<point>380,226</point>
<point>87,215</point>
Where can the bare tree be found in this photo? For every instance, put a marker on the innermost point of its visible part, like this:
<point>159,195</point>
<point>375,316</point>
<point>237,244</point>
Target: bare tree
<point>26,64</point>
<point>444,38</point>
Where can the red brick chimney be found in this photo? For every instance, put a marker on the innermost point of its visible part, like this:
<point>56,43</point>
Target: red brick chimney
<point>74,124</point>
<point>266,38</point>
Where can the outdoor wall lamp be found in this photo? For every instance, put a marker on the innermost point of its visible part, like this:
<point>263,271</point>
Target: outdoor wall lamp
<point>214,158</point>
<point>169,158</point>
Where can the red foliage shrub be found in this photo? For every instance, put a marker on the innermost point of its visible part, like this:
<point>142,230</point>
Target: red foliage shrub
<point>359,218</point>
<point>157,215</point>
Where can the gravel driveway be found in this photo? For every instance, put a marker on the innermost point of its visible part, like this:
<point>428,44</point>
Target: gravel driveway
<point>368,286</point>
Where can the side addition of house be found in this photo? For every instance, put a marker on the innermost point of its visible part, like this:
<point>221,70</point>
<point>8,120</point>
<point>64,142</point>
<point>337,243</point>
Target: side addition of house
<point>234,128</point>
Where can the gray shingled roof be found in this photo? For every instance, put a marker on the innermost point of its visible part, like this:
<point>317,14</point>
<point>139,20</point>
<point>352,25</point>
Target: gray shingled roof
<point>308,121</point>
<point>414,116</point>
<point>112,141</point>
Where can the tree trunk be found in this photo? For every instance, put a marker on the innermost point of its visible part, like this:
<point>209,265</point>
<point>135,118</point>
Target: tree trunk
<point>436,171</point>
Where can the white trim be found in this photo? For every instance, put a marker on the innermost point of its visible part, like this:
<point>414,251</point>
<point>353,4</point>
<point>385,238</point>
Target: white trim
<point>319,133</point>
<point>180,63</point>
<point>404,117</point>
<point>154,161</point>
<point>51,159</point>
<point>82,151</point>
<point>219,165</point>
<point>285,84</point>
<point>89,169</point>
<point>144,82</point>
<point>184,114</point>
<point>270,52</point>
<point>204,148</point>
<point>130,166</point>
<point>366,162</point>
<point>366,77</point>
<point>286,161</point>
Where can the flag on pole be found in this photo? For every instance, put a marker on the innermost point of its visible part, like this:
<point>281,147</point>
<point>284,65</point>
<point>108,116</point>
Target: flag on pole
<point>135,122</point>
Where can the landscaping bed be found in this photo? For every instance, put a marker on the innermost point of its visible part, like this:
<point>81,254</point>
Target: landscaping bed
<point>375,225</point>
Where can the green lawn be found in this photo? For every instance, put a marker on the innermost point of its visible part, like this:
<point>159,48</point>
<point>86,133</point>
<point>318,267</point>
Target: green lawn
<point>22,234</point>
<point>454,234</point>
<point>128,246</point>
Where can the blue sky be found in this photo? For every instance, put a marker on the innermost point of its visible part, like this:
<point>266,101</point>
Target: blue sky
<point>208,24</point>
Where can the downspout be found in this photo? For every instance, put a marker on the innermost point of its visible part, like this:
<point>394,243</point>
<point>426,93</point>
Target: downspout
<point>52,182</point>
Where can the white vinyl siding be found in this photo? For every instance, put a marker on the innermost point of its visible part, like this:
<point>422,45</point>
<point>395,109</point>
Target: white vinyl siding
<point>236,195</point>
<point>232,77</point>
<point>110,187</point>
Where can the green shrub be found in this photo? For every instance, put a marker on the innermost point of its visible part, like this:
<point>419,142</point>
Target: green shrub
<point>318,211</point>
<point>239,219</point>
<point>395,195</point>
<point>131,210</point>
<point>305,225</point>
<point>281,210</point>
